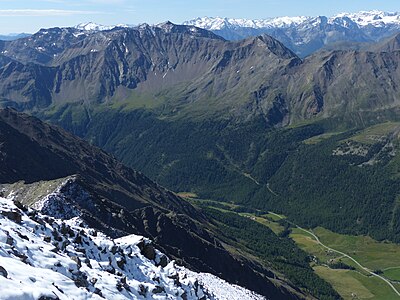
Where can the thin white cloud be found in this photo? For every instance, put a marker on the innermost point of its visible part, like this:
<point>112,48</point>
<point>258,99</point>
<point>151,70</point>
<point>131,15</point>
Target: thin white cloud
<point>44,12</point>
<point>108,1</point>
<point>55,1</point>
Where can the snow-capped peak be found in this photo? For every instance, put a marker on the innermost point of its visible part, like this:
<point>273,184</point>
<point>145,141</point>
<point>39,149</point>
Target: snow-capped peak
<point>166,26</point>
<point>375,18</point>
<point>219,23</point>
<point>209,23</point>
<point>90,26</point>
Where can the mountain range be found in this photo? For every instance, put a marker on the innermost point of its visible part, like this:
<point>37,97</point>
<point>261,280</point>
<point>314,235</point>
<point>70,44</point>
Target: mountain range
<point>247,122</point>
<point>180,71</point>
<point>302,34</point>
<point>305,35</point>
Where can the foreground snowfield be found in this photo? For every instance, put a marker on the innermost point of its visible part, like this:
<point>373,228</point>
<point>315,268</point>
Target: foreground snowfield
<point>46,258</point>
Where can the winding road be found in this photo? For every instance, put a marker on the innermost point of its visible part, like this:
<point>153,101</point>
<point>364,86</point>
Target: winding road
<point>272,192</point>
<point>344,254</point>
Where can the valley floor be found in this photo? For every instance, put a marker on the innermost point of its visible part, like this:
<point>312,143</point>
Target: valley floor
<point>357,267</point>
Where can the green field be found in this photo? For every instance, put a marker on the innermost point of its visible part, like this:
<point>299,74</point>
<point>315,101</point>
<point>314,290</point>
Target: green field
<point>344,282</point>
<point>274,226</point>
<point>353,284</point>
<point>371,134</point>
<point>370,253</point>
<point>136,100</point>
<point>350,284</point>
<point>392,273</point>
<point>319,138</point>
<point>310,245</point>
<point>273,216</point>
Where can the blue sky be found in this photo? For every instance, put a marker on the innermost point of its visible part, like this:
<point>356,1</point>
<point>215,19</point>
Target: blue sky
<point>31,15</point>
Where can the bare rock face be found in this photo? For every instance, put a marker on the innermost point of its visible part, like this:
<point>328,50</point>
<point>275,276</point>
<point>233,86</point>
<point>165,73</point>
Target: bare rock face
<point>147,250</point>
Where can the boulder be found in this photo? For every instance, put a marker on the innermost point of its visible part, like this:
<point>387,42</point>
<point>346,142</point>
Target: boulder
<point>13,216</point>
<point>3,272</point>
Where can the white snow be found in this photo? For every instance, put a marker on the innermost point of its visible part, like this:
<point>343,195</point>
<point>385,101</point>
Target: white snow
<point>220,23</point>
<point>78,34</point>
<point>364,18</point>
<point>51,257</point>
<point>90,26</point>
<point>375,18</point>
<point>166,26</point>
<point>224,290</point>
<point>126,48</point>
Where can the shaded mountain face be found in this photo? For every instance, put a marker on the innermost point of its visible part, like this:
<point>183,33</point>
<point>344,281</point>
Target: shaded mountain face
<point>305,35</point>
<point>174,65</point>
<point>186,72</point>
<point>51,153</point>
<point>388,45</point>
<point>44,164</point>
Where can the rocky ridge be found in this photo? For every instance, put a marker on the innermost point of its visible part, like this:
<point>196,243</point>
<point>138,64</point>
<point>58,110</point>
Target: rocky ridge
<point>49,258</point>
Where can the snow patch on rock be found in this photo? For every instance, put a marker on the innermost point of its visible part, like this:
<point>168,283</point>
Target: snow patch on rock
<point>42,257</point>
<point>90,26</point>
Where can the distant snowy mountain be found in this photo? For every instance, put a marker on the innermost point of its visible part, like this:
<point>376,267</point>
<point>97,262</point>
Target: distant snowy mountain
<point>221,23</point>
<point>305,35</point>
<point>46,258</point>
<point>90,26</point>
<point>363,18</point>
<point>374,18</point>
